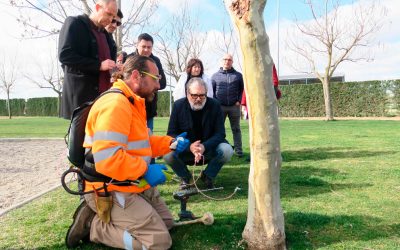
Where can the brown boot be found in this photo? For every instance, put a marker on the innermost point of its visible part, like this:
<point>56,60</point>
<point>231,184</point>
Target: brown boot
<point>80,228</point>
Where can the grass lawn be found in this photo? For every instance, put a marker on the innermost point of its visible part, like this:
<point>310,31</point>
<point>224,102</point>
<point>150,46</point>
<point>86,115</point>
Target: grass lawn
<point>340,185</point>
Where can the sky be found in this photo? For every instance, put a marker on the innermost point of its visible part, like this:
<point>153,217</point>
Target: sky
<point>30,55</point>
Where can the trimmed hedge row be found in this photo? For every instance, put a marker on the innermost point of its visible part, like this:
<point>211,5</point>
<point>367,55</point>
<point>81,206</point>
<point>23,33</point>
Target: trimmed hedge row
<point>17,107</point>
<point>44,106</point>
<point>354,99</point>
<point>163,104</point>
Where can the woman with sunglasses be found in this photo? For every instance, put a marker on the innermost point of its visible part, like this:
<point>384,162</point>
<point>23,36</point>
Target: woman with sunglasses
<point>194,68</point>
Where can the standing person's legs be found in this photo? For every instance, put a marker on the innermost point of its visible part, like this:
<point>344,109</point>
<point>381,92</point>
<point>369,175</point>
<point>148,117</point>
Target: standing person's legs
<point>225,110</point>
<point>234,119</point>
<point>150,125</point>
<point>135,223</point>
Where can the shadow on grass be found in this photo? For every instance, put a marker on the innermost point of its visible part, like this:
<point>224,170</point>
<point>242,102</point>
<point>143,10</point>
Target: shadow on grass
<point>225,233</point>
<point>229,178</point>
<point>306,181</point>
<point>315,154</point>
<point>311,230</point>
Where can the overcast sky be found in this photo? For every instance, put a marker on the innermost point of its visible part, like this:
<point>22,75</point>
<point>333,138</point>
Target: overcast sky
<point>29,54</point>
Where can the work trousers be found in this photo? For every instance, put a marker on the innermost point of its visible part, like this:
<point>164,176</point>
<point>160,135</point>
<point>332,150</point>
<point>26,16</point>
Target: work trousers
<point>233,113</point>
<point>138,221</point>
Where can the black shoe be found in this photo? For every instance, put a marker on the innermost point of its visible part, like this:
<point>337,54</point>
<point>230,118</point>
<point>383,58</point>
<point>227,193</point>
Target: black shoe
<point>80,228</point>
<point>239,155</point>
<point>186,183</point>
<point>208,182</point>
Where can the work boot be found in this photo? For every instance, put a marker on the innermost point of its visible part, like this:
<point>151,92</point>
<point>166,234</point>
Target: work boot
<point>80,228</point>
<point>208,182</point>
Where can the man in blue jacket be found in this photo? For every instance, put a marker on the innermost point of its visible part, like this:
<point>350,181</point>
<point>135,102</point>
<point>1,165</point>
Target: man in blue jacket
<point>201,117</point>
<point>228,88</point>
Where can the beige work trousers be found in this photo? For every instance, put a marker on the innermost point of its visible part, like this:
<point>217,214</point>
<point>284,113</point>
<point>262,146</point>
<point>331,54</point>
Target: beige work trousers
<point>140,222</point>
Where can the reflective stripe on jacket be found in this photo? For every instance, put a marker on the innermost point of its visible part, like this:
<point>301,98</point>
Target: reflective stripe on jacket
<point>121,143</point>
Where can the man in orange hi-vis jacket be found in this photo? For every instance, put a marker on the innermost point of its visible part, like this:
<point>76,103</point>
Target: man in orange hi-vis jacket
<point>122,147</point>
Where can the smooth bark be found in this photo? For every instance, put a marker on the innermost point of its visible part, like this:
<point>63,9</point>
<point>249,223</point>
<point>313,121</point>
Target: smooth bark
<point>265,222</point>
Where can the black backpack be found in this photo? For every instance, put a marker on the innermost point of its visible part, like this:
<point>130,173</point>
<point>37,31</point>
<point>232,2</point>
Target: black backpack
<point>82,163</point>
<point>76,131</point>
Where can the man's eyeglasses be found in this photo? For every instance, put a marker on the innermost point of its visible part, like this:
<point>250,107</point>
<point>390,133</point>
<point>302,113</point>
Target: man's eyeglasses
<point>155,77</point>
<point>195,96</point>
<point>117,22</point>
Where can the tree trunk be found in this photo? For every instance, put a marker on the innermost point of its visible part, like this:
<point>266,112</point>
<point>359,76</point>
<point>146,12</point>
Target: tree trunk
<point>265,222</point>
<point>118,32</point>
<point>59,104</point>
<point>327,99</point>
<point>8,104</point>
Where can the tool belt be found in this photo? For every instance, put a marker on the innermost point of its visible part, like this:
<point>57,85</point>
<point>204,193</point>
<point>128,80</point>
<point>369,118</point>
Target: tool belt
<point>90,174</point>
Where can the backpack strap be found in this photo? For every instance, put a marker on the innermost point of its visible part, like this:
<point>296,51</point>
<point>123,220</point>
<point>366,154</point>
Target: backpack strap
<point>89,170</point>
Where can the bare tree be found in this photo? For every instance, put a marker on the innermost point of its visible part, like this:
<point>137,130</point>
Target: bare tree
<point>180,40</point>
<point>51,77</point>
<point>45,18</point>
<point>265,223</point>
<point>331,38</point>
<point>8,77</point>
<point>229,43</point>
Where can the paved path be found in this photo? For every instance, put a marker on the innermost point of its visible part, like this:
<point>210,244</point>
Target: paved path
<point>29,167</point>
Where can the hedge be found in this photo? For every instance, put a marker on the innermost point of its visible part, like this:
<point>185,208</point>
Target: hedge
<point>163,104</point>
<point>44,106</point>
<point>349,99</point>
<point>17,107</point>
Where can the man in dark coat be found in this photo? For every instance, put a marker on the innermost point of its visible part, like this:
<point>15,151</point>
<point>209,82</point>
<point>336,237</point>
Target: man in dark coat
<point>87,55</point>
<point>201,117</point>
<point>144,47</point>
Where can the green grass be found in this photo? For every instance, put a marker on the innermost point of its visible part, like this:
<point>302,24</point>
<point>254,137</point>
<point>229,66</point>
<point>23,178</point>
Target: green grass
<point>33,127</point>
<point>340,186</point>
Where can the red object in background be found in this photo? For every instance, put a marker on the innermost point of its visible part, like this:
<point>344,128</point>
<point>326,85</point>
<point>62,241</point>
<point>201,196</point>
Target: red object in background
<point>275,81</point>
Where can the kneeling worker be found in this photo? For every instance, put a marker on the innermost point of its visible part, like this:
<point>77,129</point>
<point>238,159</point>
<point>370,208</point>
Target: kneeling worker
<point>122,147</point>
<point>201,117</point>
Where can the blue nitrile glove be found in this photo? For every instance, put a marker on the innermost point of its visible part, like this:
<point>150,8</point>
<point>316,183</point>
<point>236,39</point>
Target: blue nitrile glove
<point>155,174</point>
<point>182,143</point>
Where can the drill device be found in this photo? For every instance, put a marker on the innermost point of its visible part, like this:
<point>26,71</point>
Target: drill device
<point>183,196</point>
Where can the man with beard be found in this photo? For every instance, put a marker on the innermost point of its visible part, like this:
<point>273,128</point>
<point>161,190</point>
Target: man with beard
<point>119,146</point>
<point>201,117</point>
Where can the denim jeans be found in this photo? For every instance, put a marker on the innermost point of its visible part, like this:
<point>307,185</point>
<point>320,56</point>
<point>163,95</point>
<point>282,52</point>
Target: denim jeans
<point>233,113</point>
<point>215,158</point>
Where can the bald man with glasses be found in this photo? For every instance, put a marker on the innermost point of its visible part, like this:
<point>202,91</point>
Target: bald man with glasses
<point>87,54</point>
<point>228,88</point>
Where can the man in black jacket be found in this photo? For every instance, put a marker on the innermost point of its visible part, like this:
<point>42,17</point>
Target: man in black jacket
<point>201,117</point>
<point>228,88</point>
<point>144,47</point>
<point>86,54</point>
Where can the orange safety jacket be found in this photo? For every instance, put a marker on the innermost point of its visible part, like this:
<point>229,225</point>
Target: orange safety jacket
<point>122,145</point>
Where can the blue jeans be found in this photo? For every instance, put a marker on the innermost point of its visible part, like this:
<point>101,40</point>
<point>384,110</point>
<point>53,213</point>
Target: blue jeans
<point>215,158</point>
